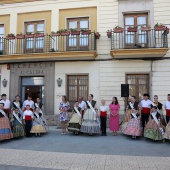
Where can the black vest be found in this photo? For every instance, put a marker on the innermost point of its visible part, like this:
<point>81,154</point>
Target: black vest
<point>79,109</point>
<point>93,102</point>
<point>135,106</point>
<point>19,103</point>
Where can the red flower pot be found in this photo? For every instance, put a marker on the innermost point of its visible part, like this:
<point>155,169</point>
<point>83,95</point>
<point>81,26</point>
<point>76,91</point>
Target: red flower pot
<point>109,34</point>
<point>97,35</point>
<point>132,29</point>
<point>39,35</point>
<point>118,30</point>
<point>55,34</point>
<point>10,37</point>
<point>159,28</point>
<point>75,32</point>
<point>145,29</point>
<point>86,32</point>
<point>66,33</point>
<point>20,36</point>
<point>29,36</point>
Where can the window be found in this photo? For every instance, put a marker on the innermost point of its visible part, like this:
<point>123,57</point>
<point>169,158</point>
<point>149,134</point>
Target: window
<point>1,38</point>
<point>77,85</point>
<point>34,44</point>
<point>78,42</point>
<point>139,37</point>
<point>138,85</point>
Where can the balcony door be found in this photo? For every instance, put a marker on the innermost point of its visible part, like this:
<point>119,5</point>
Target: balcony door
<point>138,85</point>
<point>77,85</point>
<point>78,42</point>
<point>2,47</point>
<point>139,37</point>
<point>34,44</point>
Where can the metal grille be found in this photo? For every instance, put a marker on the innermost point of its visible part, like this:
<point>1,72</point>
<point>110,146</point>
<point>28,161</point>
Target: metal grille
<point>77,85</point>
<point>138,85</point>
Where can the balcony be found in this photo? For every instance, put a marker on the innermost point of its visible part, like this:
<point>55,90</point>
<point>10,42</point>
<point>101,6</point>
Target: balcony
<point>52,47</point>
<point>139,44</point>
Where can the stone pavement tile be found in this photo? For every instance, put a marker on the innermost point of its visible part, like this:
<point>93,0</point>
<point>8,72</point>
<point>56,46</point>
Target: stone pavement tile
<point>129,162</point>
<point>111,167</point>
<point>161,162</point>
<point>65,166</point>
<point>145,162</point>
<point>95,167</point>
<point>78,167</point>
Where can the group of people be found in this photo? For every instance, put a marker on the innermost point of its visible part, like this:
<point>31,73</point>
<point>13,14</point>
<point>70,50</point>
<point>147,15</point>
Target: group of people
<point>85,117</point>
<point>19,119</point>
<point>140,119</point>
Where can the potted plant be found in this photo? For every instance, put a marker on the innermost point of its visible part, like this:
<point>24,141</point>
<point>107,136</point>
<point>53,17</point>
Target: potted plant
<point>132,29</point>
<point>118,29</point>
<point>39,34</point>
<point>159,27</point>
<point>74,31</point>
<point>64,32</point>
<point>145,28</point>
<point>109,33</point>
<point>55,33</point>
<point>10,36</point>
<point>29,35</point>
<point>20,36</point>
<point>85,31</point>
<point>97,35</point>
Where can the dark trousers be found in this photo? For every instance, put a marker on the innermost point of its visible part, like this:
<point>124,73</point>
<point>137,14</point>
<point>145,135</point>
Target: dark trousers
<point>28,126</point>
<point>103,124</point>
<point>144,118</point>
<point>167,119</point>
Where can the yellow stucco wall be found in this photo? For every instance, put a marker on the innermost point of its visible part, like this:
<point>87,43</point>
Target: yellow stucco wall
<point>90,12</point>
<point>5,19</point>
<point>34,16</point>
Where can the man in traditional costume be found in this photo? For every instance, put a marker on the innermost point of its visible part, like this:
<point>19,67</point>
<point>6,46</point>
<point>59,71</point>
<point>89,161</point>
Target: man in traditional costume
<point>17,125</point>
<point>154,129</point>
<point>82,105</point>
<point>76,119</point>
<point>6,104</point>
<point>5,129</point>
<point>91,124</point>
<point>167,108</point>
<point>103,117</point>
<point>145,106</point>
<point>28,118</point>
<point>28,102</point>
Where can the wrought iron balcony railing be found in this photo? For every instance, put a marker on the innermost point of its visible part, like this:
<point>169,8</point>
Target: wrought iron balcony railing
<point>139,39</point>
<point>47,43</point>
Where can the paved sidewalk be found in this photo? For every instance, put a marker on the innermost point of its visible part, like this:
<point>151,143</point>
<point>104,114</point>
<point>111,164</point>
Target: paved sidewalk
<point>20,159</point>
<point>83,152</point>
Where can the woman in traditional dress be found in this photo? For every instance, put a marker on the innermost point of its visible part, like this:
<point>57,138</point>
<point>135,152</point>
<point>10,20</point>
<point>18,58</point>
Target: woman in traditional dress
<point>64,107</point>
<point>167,131</point>
<point>38,126</point>
<point>154,129</point>
<point>91,124</point>
<point>5,129</point>
<point>127,116</point>
<point>159,106</point>
<point>75,121</point>
<point>114,115</point>
<point>17,125</point>
<point>40,105</point>
<point>133,127</point>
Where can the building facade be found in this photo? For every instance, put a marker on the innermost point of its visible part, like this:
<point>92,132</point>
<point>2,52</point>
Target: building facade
<point>38,59</point>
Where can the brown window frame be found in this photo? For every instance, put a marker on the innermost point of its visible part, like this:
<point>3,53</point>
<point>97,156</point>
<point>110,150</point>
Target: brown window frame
<point>135,15</point>
<point>137,84</point>
<point>34,49</point>
<point>77,77</point>
<point>78,37</point>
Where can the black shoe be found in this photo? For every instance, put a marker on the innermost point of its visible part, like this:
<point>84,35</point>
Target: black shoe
<point>105,134</point>
<point>102,134</point>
